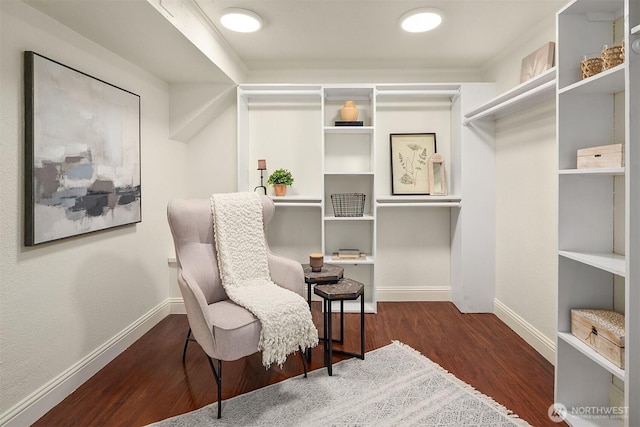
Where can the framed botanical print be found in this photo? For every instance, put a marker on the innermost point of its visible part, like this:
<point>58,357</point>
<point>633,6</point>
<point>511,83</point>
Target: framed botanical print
<point>410,153</point>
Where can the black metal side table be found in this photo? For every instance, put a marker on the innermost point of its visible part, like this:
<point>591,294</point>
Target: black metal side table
<point>329,274</point>
<point>345,289</point>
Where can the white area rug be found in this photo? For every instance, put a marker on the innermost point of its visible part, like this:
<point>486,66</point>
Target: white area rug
<point>394,386</point>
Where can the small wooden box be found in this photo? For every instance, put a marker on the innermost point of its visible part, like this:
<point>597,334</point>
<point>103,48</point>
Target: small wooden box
<point>604,156</point>
<point>602,330</point>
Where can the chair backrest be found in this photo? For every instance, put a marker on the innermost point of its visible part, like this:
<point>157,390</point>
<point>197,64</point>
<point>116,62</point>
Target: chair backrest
<point>191,223</point>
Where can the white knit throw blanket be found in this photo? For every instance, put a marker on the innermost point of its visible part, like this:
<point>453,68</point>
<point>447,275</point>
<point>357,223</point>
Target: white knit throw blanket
<point>244,269</point>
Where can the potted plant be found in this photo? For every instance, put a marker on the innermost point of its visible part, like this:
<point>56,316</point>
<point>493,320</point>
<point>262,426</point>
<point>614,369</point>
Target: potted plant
<point>280,178</point>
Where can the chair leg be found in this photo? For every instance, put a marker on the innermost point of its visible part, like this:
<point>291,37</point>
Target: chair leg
<point>304,361</point>
<point>186,343</point>
<point>218,376</point>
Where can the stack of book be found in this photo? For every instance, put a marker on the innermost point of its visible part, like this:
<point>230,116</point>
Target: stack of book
<point>349,123</point>
<point>348,254</point>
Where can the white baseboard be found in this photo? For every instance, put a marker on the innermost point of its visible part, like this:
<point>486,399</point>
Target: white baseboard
<point>543,345</point>
<point>413,294</point>
<point>176,305</point>
<point>38,403</point>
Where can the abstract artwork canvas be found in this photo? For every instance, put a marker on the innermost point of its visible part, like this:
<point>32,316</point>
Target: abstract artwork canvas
<point>537,62</point>
<point>82,152</point>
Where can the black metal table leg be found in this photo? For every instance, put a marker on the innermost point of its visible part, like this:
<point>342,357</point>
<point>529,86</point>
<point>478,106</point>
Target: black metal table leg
<point>362,325</point>
<point>341,322</point>
<point>308,351</point>
<point>325,350</point>
<point>328,341</point>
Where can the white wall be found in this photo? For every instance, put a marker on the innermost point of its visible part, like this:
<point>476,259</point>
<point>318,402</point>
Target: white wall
<point>526,200</point>
<point>212,157</point>
<point>211,167</point>
<point>62,301</point>
<point>331,75</point>
<point>504,70</point>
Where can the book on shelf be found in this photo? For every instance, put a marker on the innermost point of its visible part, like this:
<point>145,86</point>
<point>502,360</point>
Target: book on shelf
<point>349,123</point>
<point>347,254</point>
<point>336,257</point>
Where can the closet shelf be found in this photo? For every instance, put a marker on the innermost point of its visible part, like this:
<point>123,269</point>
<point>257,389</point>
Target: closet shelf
<point>527,94</point>
<point>368,259</point>
<point>349,173</point>
<point>281,91</point>
<point>297,201</point>
<point>598,171</point>
<point>420,93</point>
<point>421,205</point>
<point>606,82</point>
<point>365,217</point>
<point>573,341</point>
<point>611,262</point>
<point>349,129</point>
<point>419,201</point>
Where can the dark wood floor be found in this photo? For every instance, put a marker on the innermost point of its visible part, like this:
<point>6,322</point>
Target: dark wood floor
<point>148,382</point>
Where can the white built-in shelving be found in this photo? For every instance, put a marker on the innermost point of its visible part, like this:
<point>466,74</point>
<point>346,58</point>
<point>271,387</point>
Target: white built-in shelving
<point>527,94</point>
<point>293,126</point>
<point>598,210</point>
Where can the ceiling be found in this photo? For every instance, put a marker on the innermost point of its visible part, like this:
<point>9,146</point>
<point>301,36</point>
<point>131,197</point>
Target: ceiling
<point>306,34</point>
<point>367,34</point>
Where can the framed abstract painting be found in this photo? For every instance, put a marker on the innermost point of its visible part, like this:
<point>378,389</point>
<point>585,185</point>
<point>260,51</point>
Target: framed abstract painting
<point>82,153</point>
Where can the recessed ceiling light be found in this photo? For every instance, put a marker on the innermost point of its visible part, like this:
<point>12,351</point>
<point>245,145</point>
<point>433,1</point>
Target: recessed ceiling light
<point>420,20</point>
<point>241,20</point>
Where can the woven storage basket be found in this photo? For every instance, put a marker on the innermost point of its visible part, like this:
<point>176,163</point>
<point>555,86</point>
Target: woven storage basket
<point>612,56</point>
<point>590,66</point>
<point>348,204</point>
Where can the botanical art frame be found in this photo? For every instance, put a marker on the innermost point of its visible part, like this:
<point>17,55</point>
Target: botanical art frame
<point>410,153</point>
<point>82,152</point>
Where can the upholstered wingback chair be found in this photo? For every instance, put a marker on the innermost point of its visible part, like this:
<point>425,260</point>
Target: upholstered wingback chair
<point>224,330</point>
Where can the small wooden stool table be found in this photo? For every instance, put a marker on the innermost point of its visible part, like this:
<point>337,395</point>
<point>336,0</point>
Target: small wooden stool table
<point>345,289</point>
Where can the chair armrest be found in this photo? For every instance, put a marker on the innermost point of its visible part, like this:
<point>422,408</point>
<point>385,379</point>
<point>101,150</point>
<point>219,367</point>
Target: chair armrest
<point>286,273</point>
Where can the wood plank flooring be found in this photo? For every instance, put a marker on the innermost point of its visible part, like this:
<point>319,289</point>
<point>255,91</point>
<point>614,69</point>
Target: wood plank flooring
<point>148,382</point>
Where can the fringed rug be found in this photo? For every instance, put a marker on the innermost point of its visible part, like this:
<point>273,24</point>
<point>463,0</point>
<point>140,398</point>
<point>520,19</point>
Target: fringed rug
<point>394,386</point>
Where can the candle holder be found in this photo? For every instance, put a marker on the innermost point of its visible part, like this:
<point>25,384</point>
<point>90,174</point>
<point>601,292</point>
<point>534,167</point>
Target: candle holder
<point>261,168</point>
<point>316,261</point>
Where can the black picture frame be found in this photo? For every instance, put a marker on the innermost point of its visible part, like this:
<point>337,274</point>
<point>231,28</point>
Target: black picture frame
<point>410,153</point>
<point>82,153</point>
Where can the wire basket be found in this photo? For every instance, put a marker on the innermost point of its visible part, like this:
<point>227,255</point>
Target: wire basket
<point>348,204</point>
